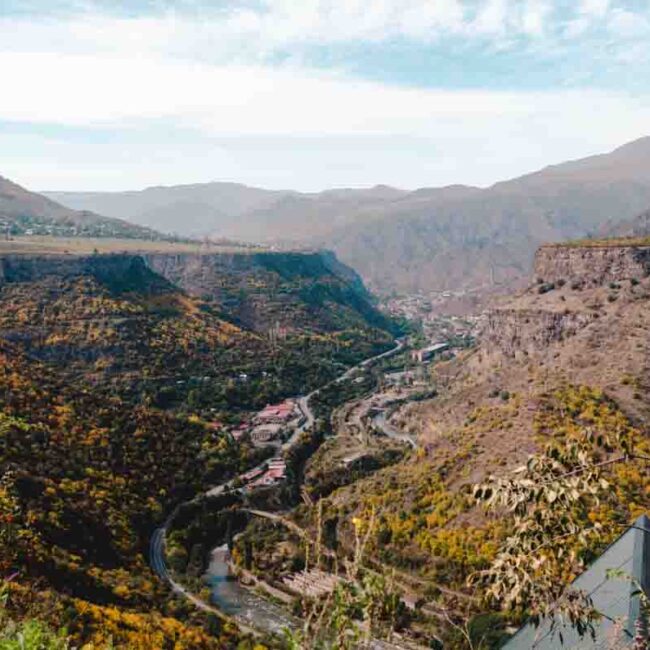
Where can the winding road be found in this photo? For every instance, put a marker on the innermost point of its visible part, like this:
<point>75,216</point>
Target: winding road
<point>389,430</point>
<point>158,539</point>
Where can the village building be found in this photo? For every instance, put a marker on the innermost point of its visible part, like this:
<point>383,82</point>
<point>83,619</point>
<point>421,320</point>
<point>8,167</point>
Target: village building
<point>252,474</point>
<point>266,433</point>
<point>428,353</point>
<point>277,413</point>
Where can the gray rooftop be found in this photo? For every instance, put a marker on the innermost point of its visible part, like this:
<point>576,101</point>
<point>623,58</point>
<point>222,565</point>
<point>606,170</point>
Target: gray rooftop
<point>611,596</point>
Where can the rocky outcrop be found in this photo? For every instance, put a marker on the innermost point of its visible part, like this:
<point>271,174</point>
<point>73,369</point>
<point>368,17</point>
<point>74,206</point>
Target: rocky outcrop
<point>575,285</point>
<point>119,272</point>
<point>592,264</point>
<point>516,332</point>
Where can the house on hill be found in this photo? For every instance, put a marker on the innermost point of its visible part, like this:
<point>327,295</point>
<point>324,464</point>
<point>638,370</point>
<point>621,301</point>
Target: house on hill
<point>614,596</point>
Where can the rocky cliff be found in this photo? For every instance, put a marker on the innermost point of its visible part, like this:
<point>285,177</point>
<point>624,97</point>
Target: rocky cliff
<point>294,291</point>
<point>516,332</point>
<point>259,290</point>
<point>575,286</point>
<point>592,264</point>
<point>144,321</point>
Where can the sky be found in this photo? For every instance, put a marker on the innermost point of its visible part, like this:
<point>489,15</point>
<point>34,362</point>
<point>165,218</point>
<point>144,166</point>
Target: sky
<point>314,94</point>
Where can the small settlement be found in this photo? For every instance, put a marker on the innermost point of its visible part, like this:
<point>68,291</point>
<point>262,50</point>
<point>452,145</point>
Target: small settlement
<point>272,473</point>
<point>270,425</point>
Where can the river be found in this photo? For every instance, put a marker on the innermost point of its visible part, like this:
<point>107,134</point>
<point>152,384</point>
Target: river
<point>241,603</point>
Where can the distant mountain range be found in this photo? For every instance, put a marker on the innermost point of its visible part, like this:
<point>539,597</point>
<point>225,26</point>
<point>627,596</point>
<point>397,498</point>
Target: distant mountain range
<point>455,237</point>
<point>25,212</point>
<point>638,226</point>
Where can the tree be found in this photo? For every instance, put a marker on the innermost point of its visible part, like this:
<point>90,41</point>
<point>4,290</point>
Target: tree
<point>552,499</point>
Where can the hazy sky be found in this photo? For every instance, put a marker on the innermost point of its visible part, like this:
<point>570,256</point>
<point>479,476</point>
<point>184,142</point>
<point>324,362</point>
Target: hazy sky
<point>309,94</point>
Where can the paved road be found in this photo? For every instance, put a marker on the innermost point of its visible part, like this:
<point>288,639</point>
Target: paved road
<point>303,402</point>
<point>389,430</point>
<point>158,540</point>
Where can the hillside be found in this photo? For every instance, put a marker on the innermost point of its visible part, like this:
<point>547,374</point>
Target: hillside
<point>189,315</point>
<point>638,226</point>
<point>115,383</point>
<point>410,241</point>
<point>24,212</point>
<point>563,360</point>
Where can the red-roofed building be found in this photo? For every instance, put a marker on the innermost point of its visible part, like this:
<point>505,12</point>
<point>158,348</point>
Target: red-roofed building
<point>277,413</point>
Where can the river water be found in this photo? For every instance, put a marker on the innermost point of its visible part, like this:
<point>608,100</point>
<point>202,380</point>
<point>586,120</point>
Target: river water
<point>241,603</point>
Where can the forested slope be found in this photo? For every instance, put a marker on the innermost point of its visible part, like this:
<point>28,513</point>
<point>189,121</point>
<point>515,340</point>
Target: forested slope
<point>111,377</point>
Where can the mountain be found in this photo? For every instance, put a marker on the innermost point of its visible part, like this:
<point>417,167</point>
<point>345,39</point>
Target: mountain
<point>408,241</point>
<point>566,359</point>
<point>638,226</point>
<point>22,211</point>
<point>232,210</point>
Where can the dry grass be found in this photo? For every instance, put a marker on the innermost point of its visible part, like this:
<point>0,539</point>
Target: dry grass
<point>602,243</point>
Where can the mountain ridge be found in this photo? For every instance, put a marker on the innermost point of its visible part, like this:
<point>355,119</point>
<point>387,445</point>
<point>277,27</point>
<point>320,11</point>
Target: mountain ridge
<point>412,241</point>
<point>23,211</point>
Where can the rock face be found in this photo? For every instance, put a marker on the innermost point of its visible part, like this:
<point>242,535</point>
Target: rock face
<point>575,286</point>
<point>592,265</point>
<point>119,272</point>
<point>262,290</point>
<point>517,332</point>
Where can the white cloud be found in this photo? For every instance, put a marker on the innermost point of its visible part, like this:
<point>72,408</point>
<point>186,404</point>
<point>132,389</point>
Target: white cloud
<point>84,90</point>
<point>535,16</point>
<point>594,8</point>
<point>216,74</point>
<point>254,32</point>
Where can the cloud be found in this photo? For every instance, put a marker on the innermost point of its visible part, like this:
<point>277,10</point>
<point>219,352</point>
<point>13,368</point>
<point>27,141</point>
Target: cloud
<point>208,78</point>
<point>255,30</point>
<point>237,99</point>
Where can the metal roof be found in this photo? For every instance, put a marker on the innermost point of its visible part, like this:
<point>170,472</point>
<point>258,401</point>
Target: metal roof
<point>612,596</point>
